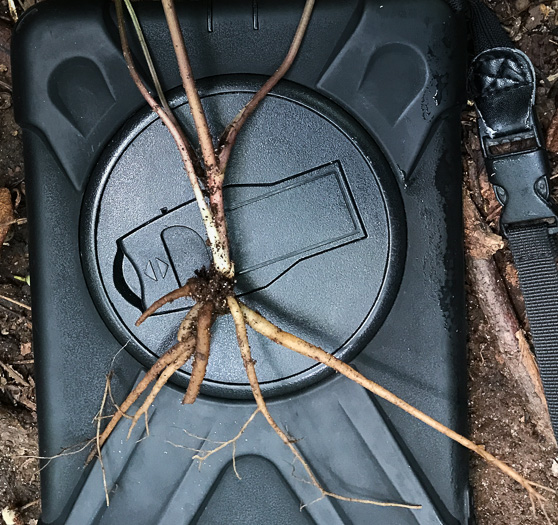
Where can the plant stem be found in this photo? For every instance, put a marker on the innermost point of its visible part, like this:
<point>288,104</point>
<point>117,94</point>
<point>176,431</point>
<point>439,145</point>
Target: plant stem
<point>214,173</point>
<point>228,138</point>
<point>155,78</point>
<point>200,120</point>
<point>147,55</point>
<point>219,249</point>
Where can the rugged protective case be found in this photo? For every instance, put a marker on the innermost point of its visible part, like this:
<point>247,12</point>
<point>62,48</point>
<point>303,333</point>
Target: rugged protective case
<point>344,202</point>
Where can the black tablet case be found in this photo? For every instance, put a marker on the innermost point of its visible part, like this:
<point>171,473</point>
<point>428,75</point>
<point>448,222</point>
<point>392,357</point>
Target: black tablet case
<point>344,205</point>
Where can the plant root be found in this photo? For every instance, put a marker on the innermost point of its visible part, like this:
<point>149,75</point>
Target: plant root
<point>201,456</point>
<point>261,325</point>
<point>219,300</point>
<point>167,358</point>
<point>201,356</point>
<point>98,440</point>
<point>187,351</point>
<point>183,291</point>
<point>160,365</point>
<point>239,316</point>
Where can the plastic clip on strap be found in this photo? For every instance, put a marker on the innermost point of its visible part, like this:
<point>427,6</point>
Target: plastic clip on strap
<point>503,83</point>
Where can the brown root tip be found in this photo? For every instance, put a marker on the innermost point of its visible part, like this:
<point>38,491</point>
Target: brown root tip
<point>183,291</point>
<point>189,400</point>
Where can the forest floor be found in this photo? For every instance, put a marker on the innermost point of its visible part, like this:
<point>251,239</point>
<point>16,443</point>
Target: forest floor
<point>499,412</point>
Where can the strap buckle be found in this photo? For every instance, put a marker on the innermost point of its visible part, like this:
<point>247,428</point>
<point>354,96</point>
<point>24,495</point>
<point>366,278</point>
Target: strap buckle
<point>503,81</point>
<point>522,185</point>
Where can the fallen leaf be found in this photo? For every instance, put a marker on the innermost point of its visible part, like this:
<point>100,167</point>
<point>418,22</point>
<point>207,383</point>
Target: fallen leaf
<point>6,213</point>
<point>25,349</point>
<point>546,10</point>
<point>14,374</point>
<point>487,192</point>
<point>554,468</point>
<point>5,101</point>
<point>534,18</point>
<point>13,10</point>
<point>522,5</point>
<point>11,516</point>
<point>22,395</point>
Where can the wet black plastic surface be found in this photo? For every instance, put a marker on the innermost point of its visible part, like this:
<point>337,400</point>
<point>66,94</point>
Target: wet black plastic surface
<point>344,195</point>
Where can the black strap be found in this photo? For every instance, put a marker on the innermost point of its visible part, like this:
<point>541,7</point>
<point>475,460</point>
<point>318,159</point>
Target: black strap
<point>457,5</point>
<point>534,255</point>
<point>487,30</point>
<point>503,83</point>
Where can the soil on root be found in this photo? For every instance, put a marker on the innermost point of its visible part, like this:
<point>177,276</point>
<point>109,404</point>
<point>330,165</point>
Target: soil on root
<point>211,286</point>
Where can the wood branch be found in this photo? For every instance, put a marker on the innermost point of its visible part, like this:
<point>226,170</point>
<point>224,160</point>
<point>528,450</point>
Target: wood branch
<point>17,303</point>
<point>519,363</point>
<point>483,275</point>
<point>480,241</point>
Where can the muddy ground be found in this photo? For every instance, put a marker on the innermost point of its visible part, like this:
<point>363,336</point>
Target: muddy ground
<point>19,483</point>
<point>499,417</point>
